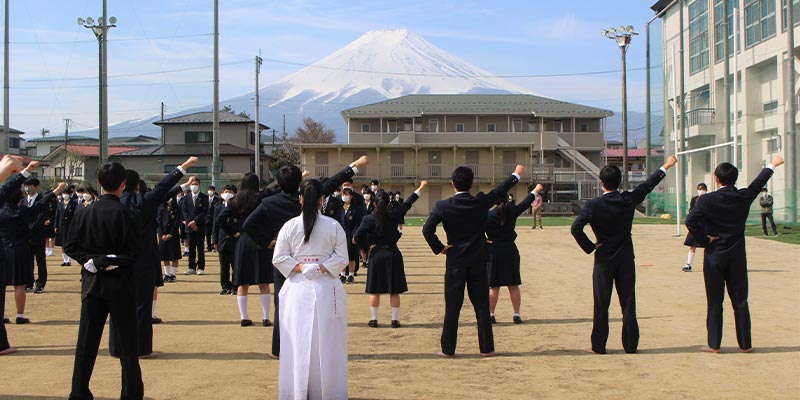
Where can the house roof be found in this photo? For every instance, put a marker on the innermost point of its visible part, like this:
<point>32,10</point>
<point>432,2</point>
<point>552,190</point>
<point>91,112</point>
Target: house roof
<point>88,151</point>
<point>474,104</point>
<point>60,139</point>
<point>631,152</point>
<point>12,130</point>
<point>207,117</point>
<point>186,150</point>
<point>134,139</point>
<point>660,5</point>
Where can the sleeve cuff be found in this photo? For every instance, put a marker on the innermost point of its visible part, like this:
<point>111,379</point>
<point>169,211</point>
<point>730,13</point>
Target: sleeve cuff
<point>770,166</point>
<point>516,175</point>
<point>179,168</point>
<point>26,173</point>
<point>416,192</point>
<point>663,170</point>
<point>354,168</point>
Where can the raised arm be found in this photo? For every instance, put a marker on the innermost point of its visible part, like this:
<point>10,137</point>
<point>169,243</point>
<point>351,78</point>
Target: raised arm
<point>761,180</point>
<point>14,164</point>
<point>406,206</point>
<point>10,165</point>
<point>528,200</point>
<point>501,190</point>
<point>163,189</point>
<point>644,188</point>
<point>329,186</point>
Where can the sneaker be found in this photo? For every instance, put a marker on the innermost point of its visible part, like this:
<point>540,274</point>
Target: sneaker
<point>343,278</point>
<point>395,323</point>
<point>190,272</point>
<point>351,279</point>
<point>373,323</point>
<point>201,271</point>
<point>687,268</point>
<point>156,320</point>
<point>266,322</point>
<point>517,319</point>
<point>246,322</point>
<point>22,320</point>
<point>29,289</point>
<point>38,290</point>
<point>494,320</point>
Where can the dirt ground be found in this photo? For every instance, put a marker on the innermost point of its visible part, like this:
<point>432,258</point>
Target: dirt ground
<point>206,355</point>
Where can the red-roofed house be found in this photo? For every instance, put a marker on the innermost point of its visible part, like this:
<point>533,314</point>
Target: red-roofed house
<point>637,159</point>
<point>81,162</point>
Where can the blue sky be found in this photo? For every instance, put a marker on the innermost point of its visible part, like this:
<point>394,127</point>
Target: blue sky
<point>54,61</point>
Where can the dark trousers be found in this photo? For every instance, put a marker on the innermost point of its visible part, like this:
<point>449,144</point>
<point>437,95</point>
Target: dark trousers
<point>94,312</point>
<point>719,270</point>
<point>3,334</point>
<point>208,237</point>
<point>197,255</point>
<point>144,326</point>
<point>37,252</point>
<point>623,276</point>
<point>476,279</point>
<point>764,218</point>
<point>225,266</point>
<point>278,280</point>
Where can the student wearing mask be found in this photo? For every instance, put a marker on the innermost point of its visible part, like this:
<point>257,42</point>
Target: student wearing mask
<point>194,207</point>
<point>213,201</point>
<point>223,243</point>
<point>64,213</point>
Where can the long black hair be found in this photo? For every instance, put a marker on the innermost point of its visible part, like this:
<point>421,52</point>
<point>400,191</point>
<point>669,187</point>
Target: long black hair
<point>383,202</point>
<point>247,198</point>
<point>311,192</point>
<point>502,211</point>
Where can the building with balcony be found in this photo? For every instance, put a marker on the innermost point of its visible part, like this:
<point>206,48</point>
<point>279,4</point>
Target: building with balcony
<point>418,137</point>
<point>761,89</point>
<point>12,143</point>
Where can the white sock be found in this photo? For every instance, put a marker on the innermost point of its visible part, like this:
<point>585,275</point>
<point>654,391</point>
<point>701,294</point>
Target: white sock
<point>373,312</point>
<point>395,312</point>
<point>242,300</point>
<point>689,258</point>
<point>65,257</point>
<point>491,314</point>
<point>166,270</point>
<point>185,249</point>
<point>174,271</point>
<point>20,315</point>
<point>154,309</point>
<point>266,300</point>
<point>516,314</point>
<point>351,274</point>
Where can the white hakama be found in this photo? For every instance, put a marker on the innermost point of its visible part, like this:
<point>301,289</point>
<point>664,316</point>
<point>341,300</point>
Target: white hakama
<point>313,313</point>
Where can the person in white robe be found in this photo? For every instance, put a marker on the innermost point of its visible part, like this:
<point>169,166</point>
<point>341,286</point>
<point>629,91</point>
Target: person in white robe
<point>313,303</point>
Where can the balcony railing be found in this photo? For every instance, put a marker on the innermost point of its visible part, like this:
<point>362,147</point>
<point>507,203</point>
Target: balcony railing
<point>397,171</point>
<point>321,170</point>
<point>435,171</point>
<point>700,116</point>
<point>476,171</point>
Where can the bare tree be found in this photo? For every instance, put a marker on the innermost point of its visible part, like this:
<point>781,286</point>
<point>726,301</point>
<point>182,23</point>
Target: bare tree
<point>72,164</point>
<point>314,132</point>
<point>285,154</point>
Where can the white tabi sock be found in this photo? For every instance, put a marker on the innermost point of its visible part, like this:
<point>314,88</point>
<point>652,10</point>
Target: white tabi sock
<point>266,300</point>
<point>689,258</point>
<point>395,312</point>
<point>373,312</point>
<point>153,313</point>
<point>174,271</point>
<point>242,300</point>
<point>65,257</point>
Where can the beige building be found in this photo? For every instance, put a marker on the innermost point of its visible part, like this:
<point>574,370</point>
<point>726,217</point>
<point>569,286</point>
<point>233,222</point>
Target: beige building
<point>418,137</point>
<point>40,147</point>
<point>762,92</point>
<point>12,143</point>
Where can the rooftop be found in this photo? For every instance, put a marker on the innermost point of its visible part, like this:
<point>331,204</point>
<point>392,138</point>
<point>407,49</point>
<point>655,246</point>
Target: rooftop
<point>186,150</point>
<point>60,139</point>
<point>206,117</point>
<point>12,130</point>
<point>88,151</point>
<point>478,104</point>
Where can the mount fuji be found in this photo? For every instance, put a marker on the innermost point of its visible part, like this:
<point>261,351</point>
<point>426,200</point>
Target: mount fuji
<point>377,66</point>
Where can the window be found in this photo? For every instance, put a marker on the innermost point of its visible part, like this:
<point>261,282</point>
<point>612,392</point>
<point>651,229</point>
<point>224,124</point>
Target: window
<point>719,39</point>
<point>557,125</point>
<point>460,127</point>
<point>770,107</point>
<point>392,126</point>
<point>59,172</point>
<point>516,125</point>
<point>774,144</point>
<point>584,127</point>
<point>253,138</point>
<point>194,170</point>
<point>433,125</point>
<point>533,126</point>
<point>77,171</point>
<point>198,137</point>
<point>365,128</point>
<point>14,143</point>
<point>698,36</point>
<point>491,127</point>
<point>795,12</point>
<point>759,21</point>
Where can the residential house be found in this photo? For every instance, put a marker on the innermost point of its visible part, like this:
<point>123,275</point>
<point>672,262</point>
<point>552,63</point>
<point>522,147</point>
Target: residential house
<point>40,147</point>
<point>11,143</point>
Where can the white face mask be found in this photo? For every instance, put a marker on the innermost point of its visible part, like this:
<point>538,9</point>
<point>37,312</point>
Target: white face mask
<point>701,192</point>
<point>373,188</point>
<point>346,199</point>
<point>195,189</point>
<point>211,194</point>
<point>227,196</point>
<point>367,197</point>
<point>335,194</point>
<point>65,196</point>
<point>87,197</point>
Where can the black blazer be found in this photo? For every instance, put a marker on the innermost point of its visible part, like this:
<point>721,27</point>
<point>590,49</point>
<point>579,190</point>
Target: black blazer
<point>213,202</point>
<point>15,221</point>
<point>333,207</point>
<point>723,213</point>
<point>64,213</point>
<point>503,231</point>
<point>219,236</point>
<point>367,233</point>
<point>463,217</point>
<point>196,211</point>
<point>168,221</point>
<point>36,226</point>
<point>611,217</point>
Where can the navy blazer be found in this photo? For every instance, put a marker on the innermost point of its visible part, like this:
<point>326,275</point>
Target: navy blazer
<point>196,211</point>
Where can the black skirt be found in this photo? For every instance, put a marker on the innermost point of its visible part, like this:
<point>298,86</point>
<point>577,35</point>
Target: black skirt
<point>18,265</point>
<point>61,235</point>
<point>504,265</point>
<point>50,231</point>
<point>251,265</point>
<point>352,249</point>
<point>170,250</point>
<point>690,241</point>
<point>386,271</point>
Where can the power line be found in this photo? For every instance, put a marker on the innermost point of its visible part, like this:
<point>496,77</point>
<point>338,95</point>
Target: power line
<point>86,78</point>
<point>133,39</point>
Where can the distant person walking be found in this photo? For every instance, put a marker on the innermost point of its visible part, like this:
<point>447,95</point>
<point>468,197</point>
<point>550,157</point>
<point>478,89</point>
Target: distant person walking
<point>766,201</point>
<point>536,211</point>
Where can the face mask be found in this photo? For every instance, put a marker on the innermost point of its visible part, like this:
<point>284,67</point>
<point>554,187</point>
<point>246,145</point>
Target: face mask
<point>227,196</point>
<point>211,194</point>
<point>87,197</point>
<point>195,189</point>
<point>335,194</point>
<point>27,190</point>
<point>373,188</point>
<point>65,196</point>
<point>346,199</point>
<point>367,197</point>
<point>701,192</point>
<point>397,198</point>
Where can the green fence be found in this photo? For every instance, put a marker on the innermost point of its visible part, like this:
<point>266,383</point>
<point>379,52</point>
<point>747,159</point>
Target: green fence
<point>785,203</point>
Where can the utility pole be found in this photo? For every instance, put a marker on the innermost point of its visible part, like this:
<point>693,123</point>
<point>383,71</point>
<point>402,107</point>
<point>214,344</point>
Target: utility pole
<point>6,129</point>
<point>790,186</point>
<point>257,165</point>
<point>215,163</point>
<point>66,143</point>
<point>162,123</point>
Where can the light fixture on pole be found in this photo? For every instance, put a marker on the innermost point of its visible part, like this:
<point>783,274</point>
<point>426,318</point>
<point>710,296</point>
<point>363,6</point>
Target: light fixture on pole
<point>623,36</point>
<point>100,30</point>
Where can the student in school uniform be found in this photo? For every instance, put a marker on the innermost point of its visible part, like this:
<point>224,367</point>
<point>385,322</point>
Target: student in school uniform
<point>37,241</point>
<point>717,222</point>
<point>224,244</point>
<point>64,213</point>
<point>194,207</point>
<point>611,217</point>
<point>377,236</point>
<point>504,268</point>
<point>169,220</point>
<point>689,241</point>
<point>463,217</point>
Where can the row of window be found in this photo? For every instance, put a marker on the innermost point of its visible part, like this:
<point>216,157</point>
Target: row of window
<point>759,21</point>
<point>200,137</point>
<point>433,126</point>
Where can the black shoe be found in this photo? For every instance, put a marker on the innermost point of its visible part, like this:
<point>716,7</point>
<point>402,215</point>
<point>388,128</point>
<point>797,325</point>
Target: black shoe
<point>22,320</point>
<point>38,290</point>
<point>29,289</point>
<point>395,323</point>
<point>63,264</point>
<point>185,253</point>
<point>355,273</point>
<point>156,320</point>
<point>351,279</point>
<point>69,264</point>
<point>224,292</point>
<point>246,322</point>
<point>266,322</point>
<point>373,323</point>
<point>343,278</point>
<point>494,321</point>
<point>6,320</point>
<point>517,319</point>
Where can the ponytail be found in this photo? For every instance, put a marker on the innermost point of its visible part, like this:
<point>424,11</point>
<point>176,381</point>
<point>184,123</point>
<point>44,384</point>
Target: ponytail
<point>381,209</point>
<point>311,192</point>
<point>503,212</point>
